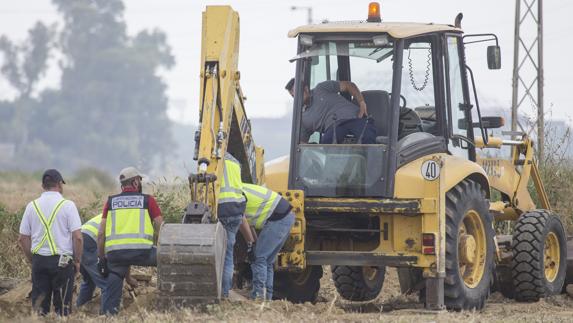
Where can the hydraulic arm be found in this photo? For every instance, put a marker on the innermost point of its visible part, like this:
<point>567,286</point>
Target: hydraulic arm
<point>190,255</point>
<point>223,122</point>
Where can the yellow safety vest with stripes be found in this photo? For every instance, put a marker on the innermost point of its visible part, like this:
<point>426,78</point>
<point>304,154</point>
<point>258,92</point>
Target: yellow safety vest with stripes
<point>128,224</point>
<point>231,186</point>
<point>47,224</point>
<point>91,228</point>
<point>261,203</point>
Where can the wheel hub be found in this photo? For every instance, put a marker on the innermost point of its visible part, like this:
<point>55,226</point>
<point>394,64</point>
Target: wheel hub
<point>551,257</point>
<point>467,249</point>
<point>472,249</point>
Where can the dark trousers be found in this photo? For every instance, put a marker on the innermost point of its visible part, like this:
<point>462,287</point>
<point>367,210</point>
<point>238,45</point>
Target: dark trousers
<point>90,273</point>
<point>119,262</point>
<point>51,284</point>
<point>355,127</point>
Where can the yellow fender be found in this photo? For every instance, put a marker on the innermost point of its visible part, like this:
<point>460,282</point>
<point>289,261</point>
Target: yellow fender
<point>410,180</point>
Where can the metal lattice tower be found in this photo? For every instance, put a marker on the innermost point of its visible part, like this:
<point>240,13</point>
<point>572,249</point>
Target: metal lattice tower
<point>528,64</point>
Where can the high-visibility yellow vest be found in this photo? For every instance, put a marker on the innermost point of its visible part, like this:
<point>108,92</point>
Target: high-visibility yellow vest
<point>47,224</point>
<point>91,228</point>
<point>231,185</point>
<point>128,225</point>
<point>261,203</point>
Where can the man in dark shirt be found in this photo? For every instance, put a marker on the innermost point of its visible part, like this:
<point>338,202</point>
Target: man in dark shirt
<point>326,111</point>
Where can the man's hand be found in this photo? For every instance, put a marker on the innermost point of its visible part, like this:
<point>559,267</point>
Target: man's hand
<point>349,87</point>
<point>363,110</point>
<point>251,252</point>
<point>102,267</point>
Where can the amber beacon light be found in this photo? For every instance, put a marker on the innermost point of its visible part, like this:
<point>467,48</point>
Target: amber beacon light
<point>374,12</point>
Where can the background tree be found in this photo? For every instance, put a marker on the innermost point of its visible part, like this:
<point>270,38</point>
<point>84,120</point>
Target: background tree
<point>23,66</point>
<point>110,108</point>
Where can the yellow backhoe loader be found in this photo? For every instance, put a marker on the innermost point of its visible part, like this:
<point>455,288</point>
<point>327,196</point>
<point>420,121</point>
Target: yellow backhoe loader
<point>420,199</point>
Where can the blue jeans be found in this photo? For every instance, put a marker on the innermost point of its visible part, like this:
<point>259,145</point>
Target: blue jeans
<point>269,243</point>
<point>118,262</point>
<point>90,274</point>
<point>231,225</point>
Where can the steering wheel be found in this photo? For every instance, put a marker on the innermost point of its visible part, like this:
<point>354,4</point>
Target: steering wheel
<point>403,99</point>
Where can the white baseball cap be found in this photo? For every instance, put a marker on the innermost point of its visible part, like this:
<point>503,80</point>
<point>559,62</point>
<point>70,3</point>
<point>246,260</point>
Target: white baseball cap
<point>128,173</point>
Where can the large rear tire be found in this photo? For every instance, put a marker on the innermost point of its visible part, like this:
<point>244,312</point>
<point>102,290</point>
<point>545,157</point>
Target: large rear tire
<point>469,247</point>
<point>539,256</point>
<point>298,287</point>
<point>355,283</point>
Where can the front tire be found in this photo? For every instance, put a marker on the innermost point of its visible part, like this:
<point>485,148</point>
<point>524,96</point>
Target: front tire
<point>539,256</point>
<point>469,247</point>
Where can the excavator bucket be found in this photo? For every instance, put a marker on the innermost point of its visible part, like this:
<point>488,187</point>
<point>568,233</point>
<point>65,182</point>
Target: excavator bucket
<point>190,261</point>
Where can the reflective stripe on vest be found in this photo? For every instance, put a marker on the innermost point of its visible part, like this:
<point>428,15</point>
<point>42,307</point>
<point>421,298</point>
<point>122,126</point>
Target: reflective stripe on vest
<point>47,224</point>
<point>261,203</point>
<point>91,228</point>
<point>230,190</point>
<point>127,227</point>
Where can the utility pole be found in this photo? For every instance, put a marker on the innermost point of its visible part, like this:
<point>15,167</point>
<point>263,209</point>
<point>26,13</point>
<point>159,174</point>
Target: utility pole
<point>528,22</point>
<point>308,12</point>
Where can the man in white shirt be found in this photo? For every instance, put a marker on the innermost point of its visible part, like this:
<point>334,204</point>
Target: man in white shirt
<point>51,239</point>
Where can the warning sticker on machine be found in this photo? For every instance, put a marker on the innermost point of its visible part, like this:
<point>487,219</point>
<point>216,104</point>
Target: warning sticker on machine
<point>430,170</point>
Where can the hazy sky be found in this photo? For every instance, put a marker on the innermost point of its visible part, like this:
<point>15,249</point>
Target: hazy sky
<point>265,48</point>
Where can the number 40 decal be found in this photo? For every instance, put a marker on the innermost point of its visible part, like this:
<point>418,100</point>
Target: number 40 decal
<point>430,170</point>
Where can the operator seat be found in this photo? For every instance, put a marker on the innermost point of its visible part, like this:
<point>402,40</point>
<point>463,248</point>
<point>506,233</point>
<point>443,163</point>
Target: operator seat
<point>378,103</point>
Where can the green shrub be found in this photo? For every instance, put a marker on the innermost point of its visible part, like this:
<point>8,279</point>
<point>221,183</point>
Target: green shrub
<point>172,198</point>
<point>9,221</point>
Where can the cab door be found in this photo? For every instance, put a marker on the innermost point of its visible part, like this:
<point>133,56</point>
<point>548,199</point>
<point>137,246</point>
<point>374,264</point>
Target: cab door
<point>460,141</point>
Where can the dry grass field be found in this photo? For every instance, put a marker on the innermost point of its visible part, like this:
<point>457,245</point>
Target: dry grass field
<point>89,194</point>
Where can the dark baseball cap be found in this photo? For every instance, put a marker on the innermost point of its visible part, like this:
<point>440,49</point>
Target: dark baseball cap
<point>290,84</point>
<point>54,174</point>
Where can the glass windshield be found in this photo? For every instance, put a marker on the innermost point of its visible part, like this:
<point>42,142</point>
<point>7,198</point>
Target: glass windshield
<point>370,66</point>
<point>361,65</point>
<point>341,170</point>
<point>365,49</point>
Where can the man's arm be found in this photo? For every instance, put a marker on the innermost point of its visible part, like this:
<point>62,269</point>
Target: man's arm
<point>101,239</point>
<point>157,222</point>
<point>352,89</point>
<point>25,239</point>
<point>25,243</point>
<point>75,226</point>
<point>78,243</point>
<point>155,214</point>
<point>246,231</point>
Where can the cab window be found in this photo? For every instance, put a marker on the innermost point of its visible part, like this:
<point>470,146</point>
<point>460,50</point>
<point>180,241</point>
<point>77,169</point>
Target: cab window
<point>455,98</point>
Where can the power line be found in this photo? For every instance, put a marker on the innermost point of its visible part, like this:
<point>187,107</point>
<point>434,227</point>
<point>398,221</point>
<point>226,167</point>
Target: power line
<point>528,53</point>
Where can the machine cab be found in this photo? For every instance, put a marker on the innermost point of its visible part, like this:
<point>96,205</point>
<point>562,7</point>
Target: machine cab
<point>413,79</point>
